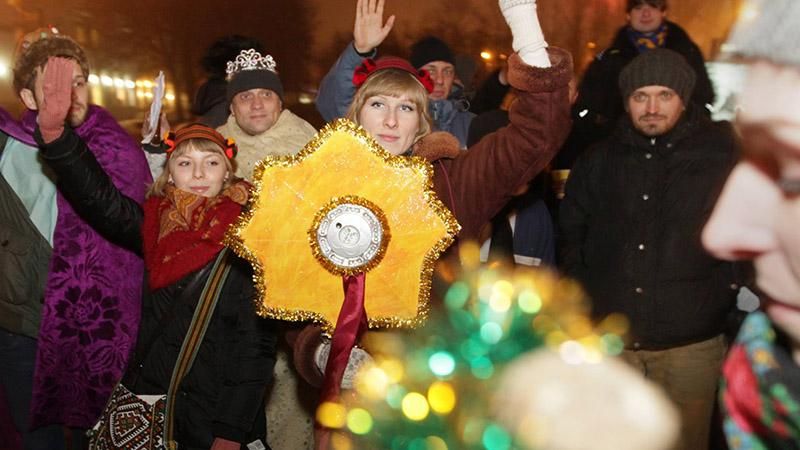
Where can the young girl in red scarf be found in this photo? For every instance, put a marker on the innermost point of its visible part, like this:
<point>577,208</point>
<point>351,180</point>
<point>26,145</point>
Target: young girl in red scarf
<point>179,231</point>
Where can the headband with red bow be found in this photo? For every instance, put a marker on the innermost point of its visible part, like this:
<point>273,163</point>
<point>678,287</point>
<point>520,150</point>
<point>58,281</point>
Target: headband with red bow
<point>370,66</point>
<point>197,131</point>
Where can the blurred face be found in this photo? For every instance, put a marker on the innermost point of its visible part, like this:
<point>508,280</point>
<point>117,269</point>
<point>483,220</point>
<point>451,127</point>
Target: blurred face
<point>645,18</point>
<point>201,173</point>
<point>443,75</point>
<point>654,110</point>
<point>256,110</point>
<point>392,121</point>
<point>80,95</point>
<point>757,217</point>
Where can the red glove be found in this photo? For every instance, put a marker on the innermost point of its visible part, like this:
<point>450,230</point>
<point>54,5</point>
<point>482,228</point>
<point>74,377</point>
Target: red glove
<point>57,97</point>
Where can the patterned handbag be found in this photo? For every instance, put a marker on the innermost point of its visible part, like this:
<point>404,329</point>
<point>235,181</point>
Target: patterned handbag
<point>130,422</point>
<point>145,422</point>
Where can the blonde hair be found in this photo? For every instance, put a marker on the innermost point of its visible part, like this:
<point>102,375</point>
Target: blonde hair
<point>200,145</point>
<point>394,83</point>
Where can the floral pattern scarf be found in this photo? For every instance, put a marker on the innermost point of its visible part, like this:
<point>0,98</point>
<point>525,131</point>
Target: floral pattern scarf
<point>760,392</point>
<point>183,231</point>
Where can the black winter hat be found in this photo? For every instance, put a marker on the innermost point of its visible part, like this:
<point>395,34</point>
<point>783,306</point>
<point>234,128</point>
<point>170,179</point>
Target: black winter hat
<point>430,49</point>
<point>254,79</point>
<point>660,4</point>
<point>658,67</point>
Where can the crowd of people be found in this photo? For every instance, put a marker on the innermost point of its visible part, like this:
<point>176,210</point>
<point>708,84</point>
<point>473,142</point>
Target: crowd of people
<point>116,285</point>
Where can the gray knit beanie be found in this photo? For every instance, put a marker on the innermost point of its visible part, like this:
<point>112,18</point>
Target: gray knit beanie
<point>773,33</point>
<point>658,67</point>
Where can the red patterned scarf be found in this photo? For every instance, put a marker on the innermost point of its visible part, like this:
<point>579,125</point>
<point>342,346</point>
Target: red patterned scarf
<point>183,232</point>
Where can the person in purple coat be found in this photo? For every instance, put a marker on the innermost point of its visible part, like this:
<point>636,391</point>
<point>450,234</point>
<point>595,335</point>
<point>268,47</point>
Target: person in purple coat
<point>76,328</point>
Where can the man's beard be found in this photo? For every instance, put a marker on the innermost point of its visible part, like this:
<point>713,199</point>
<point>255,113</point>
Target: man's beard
<point>77,115</point>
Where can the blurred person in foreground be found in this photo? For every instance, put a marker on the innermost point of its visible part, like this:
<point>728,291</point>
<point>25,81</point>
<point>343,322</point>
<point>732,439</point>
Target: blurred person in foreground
<point>757,218</point>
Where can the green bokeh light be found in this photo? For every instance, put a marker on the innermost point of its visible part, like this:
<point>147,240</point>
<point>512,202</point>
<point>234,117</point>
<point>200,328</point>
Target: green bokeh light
<point>612,344</point>
<point>442,364</point>
<point>482,368</point>
<point>530,301</point>
<point>457,295</point>
<point>394,397</point>
<point>491,333</point>
<point>473,348</point>
<point>359,421</point>
<point>418,444</point>
<point>496,438</point>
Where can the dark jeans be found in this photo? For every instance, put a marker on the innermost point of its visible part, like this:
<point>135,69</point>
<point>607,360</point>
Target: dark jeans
<point>17,361</point>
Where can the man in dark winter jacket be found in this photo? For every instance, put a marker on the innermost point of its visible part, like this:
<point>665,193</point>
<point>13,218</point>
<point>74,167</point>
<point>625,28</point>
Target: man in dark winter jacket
<point>631,219</point>
<point>598,108</point>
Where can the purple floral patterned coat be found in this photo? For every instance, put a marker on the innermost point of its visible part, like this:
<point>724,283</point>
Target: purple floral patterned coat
<point>93,296</point>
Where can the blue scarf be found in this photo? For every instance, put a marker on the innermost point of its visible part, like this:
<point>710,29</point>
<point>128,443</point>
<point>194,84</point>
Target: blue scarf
<point>648,41</point>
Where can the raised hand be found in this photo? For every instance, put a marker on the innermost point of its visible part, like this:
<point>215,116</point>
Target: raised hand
<point>162,128</point>
<point>369,31</point>
<point>56,97</point>
<point>524,24</point>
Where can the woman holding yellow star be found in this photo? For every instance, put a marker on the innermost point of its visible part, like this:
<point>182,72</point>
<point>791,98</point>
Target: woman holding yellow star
<point>391,103</point>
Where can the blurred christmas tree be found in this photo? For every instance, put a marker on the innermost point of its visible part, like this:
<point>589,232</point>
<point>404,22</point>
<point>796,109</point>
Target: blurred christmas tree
<point>431,388</point>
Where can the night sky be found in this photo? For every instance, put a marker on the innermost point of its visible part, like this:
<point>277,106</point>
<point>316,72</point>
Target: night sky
<point>582,26</point>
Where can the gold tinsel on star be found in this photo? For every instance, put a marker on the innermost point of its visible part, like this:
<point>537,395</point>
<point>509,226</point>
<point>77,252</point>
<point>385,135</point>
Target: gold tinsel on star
<point>290,191</point>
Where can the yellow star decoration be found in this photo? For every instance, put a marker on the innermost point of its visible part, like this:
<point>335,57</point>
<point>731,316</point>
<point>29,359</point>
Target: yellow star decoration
<point>290,191</point>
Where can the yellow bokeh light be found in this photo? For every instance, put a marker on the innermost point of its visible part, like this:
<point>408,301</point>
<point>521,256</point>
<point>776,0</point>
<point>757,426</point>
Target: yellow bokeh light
<point>555,338</point>
<point>615,323</point>
<point>442,397</point>
<point>393,369</point>
<point>500,300</point>
<point>470,254</point>
<point>372,383</point>
<point>415,406</point>
<point>435,443</point>
<point>341,441</point>
<point>579,327</point>
<point>332,415</point>
<point>500,303</point>
<point>504,287</point>
<point>487,55</point>
<point>359,421</point>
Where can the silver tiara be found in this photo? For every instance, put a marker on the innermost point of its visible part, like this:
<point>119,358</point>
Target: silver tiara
<point>250,60</point>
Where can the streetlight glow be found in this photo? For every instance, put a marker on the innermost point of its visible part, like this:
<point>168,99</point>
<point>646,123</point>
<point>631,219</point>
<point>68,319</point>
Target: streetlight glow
<point>748,12</point>
<point>486,55</point>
